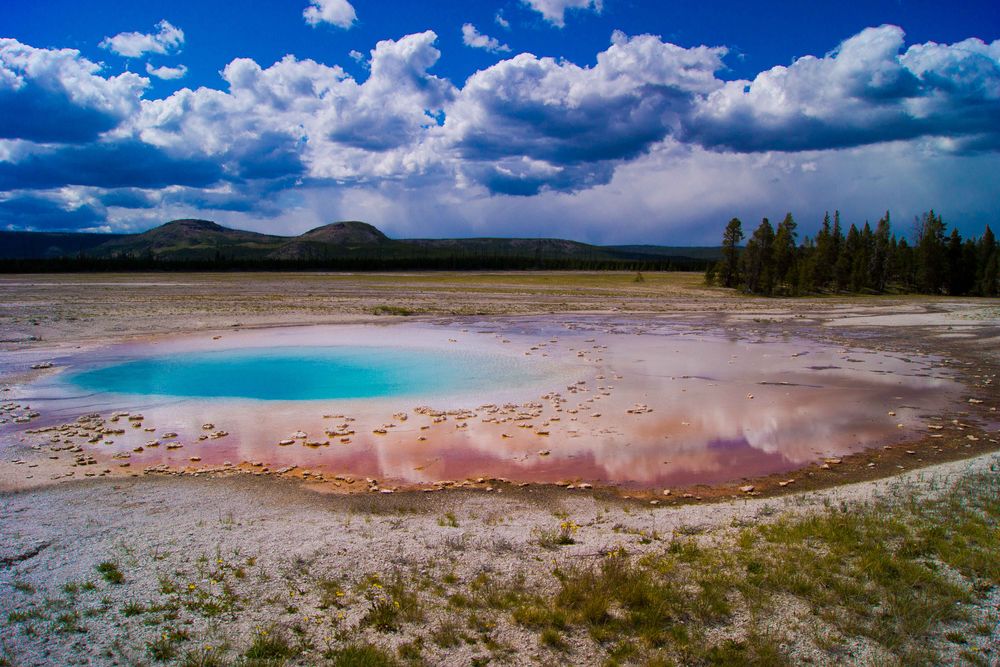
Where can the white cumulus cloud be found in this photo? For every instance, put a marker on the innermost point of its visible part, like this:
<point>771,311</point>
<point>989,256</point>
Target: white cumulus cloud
<point>868,90</point>
<point>166,39</point>
<point>335,12</point>
<point>165,72</point>
<point>649,133</point>
<point>58,95</point>
<point>472,37</point>
<point>530,123</point>
<point>554,11</point>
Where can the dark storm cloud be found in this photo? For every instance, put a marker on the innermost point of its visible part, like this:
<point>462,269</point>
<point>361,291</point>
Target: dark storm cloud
<point>127,198</point>
<point>34,212</point>
<point>106,165</point>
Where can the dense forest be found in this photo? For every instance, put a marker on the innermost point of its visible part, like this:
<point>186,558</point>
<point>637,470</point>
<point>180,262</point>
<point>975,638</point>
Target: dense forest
<point>864,260</point>
<point>452,262</point>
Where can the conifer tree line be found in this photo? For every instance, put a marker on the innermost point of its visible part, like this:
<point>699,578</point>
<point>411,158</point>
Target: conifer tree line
<point>862,260</point>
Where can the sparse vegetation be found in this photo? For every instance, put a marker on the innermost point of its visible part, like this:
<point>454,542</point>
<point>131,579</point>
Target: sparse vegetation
<point>552,538</point>
<point>110,572</point>
<point>391,604</point>
<point>361,655</point>
<point>22,586</point>
<point>901,576</point>
<point>269,646</point>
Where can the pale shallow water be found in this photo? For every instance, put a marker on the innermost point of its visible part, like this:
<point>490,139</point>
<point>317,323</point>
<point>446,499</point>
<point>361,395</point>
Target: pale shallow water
<point>634,403</point>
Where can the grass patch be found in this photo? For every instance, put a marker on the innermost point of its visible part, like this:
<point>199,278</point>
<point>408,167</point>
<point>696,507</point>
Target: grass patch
<point>391,604</point>
<point>110,573</point>
<point>133,608</point>
<point>202,657</point>
<point>269,646</point>
<point>553,639</point>
<point>360,655</point>
<point>446,634</point>
<point>162,649</point>
<point>553,538</point>
<point>21,616</point>
<point>331,593</point>
<point>22,586</point>
<point>393,310</point>
<point>881,572</point>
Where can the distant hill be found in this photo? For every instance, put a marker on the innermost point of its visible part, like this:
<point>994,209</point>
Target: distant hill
<point>204,242</point>
<point>190,239</point>
<point>333,239</point>
<point>47,245</point>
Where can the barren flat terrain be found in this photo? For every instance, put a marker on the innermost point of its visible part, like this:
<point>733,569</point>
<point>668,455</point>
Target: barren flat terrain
<point>882,555</point>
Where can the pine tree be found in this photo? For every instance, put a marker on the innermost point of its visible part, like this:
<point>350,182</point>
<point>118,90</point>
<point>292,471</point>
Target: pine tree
<point>931,254</point>
<point>953,259</point>
<point>824,257</point>
<point>861,266</point>
<point>968,267</point>
<point>807,267</point>
<point>881,257</point>
<point>837,238</point>
<point>785,270</point>
<point>905,265</point>
<point>757,259</point>
<point>848,255</point>
<point>987,264</point>
<point>729,267</point>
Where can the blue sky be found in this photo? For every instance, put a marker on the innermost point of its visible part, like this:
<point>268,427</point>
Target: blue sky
<point>605,121</point>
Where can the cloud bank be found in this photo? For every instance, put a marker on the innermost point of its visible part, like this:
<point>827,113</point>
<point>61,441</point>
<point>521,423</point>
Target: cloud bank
<point>651,131</point>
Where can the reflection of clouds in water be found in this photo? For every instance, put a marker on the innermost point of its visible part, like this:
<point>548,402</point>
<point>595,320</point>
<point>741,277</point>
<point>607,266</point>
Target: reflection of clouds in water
<point>701,421</point>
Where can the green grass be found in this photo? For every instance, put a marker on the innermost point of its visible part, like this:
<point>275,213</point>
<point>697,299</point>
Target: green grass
<point>360,655</point>
<point>110,573</point>
<point>446,634</point>
<point>552,538</point>
<point>133,608</point>
<point>202,658</point>
<point>882,573</point>
<point>393,310</point>
<point>162,649</point>
<point>30,614</point>
<point>269,646</point>
<point>900,576</point>
<point>22,586</point>
<point>331,593</point>
<point>392,604</point>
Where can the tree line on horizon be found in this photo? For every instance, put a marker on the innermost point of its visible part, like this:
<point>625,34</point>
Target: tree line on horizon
<point>862,260</point>
<point>83,263</point>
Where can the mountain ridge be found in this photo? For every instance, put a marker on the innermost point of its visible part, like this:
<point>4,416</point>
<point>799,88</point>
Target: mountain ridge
<point>192,239</point>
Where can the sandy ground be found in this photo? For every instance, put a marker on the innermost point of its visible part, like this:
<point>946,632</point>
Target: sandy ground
<point>180,529</point>
<point>171,526</point>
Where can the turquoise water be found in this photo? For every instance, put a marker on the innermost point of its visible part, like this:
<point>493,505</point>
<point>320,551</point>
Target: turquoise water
<point>301,374</point>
